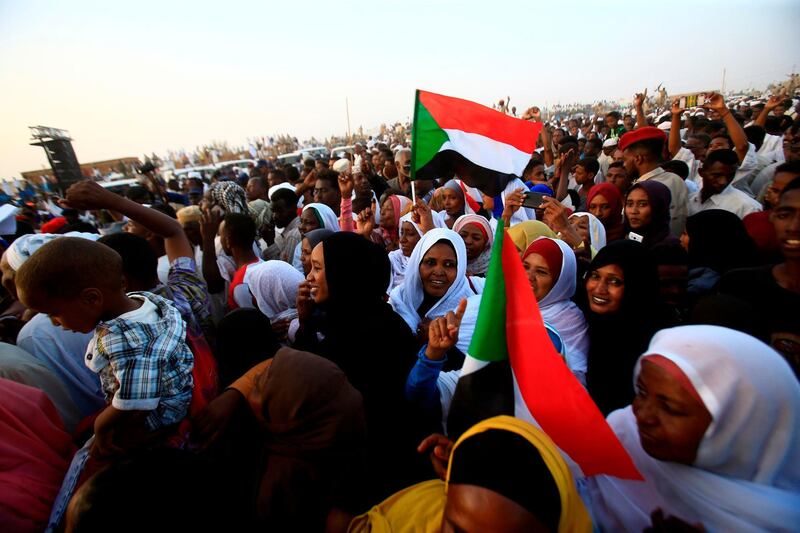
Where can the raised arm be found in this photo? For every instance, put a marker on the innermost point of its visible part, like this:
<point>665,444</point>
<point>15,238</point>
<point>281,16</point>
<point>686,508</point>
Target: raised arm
<point>638,104</point>
<point>209,226</point>
<point>675,128</point>
<point>772,103</point>
<point>89,195</point>
<point>741,145</point>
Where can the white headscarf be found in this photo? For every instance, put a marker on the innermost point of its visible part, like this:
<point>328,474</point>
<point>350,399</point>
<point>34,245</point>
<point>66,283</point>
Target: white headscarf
<point>326,214</point>
<point>560,311</point>
<point>597,232</point>
<point>407,298</point>
<point>479,265</point>
<point>22,248</point>
<point>747,473</point>
<point>274,285</point>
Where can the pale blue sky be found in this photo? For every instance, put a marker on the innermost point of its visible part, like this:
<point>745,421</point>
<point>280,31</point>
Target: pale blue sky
<point>135,77</point>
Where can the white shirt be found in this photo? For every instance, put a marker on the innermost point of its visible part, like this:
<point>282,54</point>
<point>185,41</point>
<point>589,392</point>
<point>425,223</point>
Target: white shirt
<point>772,143</point>
<point>730,199</point>
<point>686,155</point>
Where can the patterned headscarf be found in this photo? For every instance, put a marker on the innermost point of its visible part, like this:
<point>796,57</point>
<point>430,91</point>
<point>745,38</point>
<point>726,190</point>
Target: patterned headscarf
<point>230,197</point>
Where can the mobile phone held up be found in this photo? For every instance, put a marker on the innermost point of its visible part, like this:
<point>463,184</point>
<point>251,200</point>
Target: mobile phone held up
<point>533,200</point>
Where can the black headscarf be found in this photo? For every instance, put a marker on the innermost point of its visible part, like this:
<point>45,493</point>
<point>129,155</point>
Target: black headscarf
<point>718,240</point>
<point>237,349</point>
<point>314,237</point>
<point>376,350</point>
<point>658,230</point>
<point>616,340</point>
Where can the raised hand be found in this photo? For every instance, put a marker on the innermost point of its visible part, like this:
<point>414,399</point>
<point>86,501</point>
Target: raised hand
<point>365,222</point>
<point>88,195</point>
<point>639,99</point>
<point>304,303</point>
<point>512,203</point>
<point>533,114</point>
<point>209,223</point>
<point>346,184</point>
<point>422,215</point>
<point>443,332</point>
<point>676,108</point>
<point>774,101</point>
<point>715,101</point>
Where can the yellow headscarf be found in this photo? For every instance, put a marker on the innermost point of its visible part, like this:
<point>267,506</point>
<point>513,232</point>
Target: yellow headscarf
<point>420,508</point>
<point>524,233</point>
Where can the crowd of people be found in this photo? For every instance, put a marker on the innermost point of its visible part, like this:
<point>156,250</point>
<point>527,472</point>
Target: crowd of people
<point>278,348</point>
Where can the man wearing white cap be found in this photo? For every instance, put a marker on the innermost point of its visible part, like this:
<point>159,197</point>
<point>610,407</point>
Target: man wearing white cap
<point>605,158</point>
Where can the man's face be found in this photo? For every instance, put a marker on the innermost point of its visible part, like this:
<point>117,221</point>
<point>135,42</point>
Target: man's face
<point>786,220</point>
<point>325,193</point>
<point>628,122</point>
<point>403,164</point>
<point>719,143</point>
<point>611,122</point>
<point>791,146</point>
<point>361,183</point>
<point>590,150</point>
<point>717,177</point>
<point>255,189</point>
<point>282,214</point>
<point>779,182</point>
<point>630,159</point>
<point>274,179</point>
<point>582,176</point>
<point>697,148</point>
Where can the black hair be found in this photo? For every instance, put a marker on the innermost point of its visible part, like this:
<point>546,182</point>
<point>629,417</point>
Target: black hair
<point>726,137</point>
<point>670,253</point>
<point>676,166</point>
<point>568,139</point>
<point>589,164</point>
<point>292,174</point>
<point>139,260</point>
<point>714,126</point>
<point>790,166</point>
<point>595,141</point>
<point>166,209</point>
<point>279,173</point>
<point>702,137</point>
<point>791,186</point>
<point>614,114</point>
<point>755,134</point>
<point>236,351</point>
<point>139,194</point>
<point>617,164</point>
<point>174,489</point>
<point>724,156</point>
<point>81,226</point>
<point>533,163</point>
<point>331,176</point>
<point>260,179</point>
<point>284,195</point>
<point>240,229</point>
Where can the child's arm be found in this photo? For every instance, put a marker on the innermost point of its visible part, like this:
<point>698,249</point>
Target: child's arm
<point>89,195</point>
<point>106,426</point>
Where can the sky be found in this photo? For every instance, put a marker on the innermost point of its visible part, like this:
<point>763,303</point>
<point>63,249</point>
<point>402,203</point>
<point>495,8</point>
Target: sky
<point>129,78</point>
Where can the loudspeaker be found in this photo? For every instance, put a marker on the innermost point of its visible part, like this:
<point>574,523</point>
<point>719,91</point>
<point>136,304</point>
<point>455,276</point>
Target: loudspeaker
<point>63,162</point>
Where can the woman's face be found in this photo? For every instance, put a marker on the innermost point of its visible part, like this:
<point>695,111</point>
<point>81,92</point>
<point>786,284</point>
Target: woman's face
<point>539,275</point>
<point>308,221</point>
<point>671,421</point>
<point>637,209</point>
<point>605,289</point>
<point>305,256</point>
<point>438,269</point>
<point>474,239</point>
<point>408,238</point>
<point>453,202</point>
<point>600,207</point>
<point>316,277</point>
<point>387,215</point>
<point>581,225</point>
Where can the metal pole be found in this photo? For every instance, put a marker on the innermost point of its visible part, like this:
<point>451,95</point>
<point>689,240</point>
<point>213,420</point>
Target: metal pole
<point>347,107</point>
<point>723,80</point>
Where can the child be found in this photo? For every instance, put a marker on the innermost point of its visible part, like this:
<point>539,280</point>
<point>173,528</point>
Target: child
<point>138,348</point>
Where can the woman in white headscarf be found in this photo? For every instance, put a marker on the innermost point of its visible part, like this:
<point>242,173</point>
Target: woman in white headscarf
<point>714,430</point>
<point>314,216</point>
<point>551,268</point>
<point>274,285</point>
<point>435,280</point>
<point>588,225</point>
<point>478,238</point>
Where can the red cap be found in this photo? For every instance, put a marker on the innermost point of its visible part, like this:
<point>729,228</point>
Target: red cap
<point>641,134</point>
<point>52,226</point>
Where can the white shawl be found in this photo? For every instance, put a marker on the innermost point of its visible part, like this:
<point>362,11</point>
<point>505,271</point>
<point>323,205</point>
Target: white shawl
<point>747,473</point>
<point>274,285</point>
